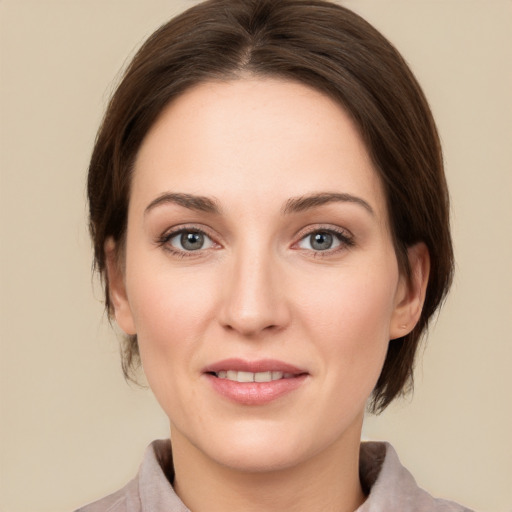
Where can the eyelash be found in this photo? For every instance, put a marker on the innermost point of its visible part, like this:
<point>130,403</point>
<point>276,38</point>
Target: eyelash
<point>345,239</point>
<point>165,238</point>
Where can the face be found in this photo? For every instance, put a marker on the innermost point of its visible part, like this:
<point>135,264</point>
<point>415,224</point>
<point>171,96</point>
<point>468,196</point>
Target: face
<point>259,275</point>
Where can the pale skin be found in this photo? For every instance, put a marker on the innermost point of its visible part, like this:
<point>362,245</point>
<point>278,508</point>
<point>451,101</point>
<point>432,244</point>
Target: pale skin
<point>270,273</point>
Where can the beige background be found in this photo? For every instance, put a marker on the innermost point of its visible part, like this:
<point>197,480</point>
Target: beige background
<point>71,429</point>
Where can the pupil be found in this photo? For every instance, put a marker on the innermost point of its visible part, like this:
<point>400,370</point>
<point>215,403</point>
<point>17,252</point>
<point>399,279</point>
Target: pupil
<point>192,241</point>
<point>321,241</point>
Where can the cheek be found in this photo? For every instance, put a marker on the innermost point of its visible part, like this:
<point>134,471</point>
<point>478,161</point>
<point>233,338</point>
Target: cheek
<point>357,298</point>
<point>169,314</point>
<point>170,310</point>
<point>350,319</point>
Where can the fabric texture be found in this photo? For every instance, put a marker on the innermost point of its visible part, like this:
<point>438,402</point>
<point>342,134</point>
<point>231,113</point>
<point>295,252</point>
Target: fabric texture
<point>388,485</point>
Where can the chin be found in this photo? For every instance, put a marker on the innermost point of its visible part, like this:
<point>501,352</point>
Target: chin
<point>252,457</point>
<point>260,447</point>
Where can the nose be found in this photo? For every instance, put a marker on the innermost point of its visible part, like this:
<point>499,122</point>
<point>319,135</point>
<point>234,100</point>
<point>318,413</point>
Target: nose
<point>254,296</point>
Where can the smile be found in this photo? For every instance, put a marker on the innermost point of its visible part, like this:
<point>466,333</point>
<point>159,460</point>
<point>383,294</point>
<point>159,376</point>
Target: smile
<point>254,383</point>
<point>240,376</point>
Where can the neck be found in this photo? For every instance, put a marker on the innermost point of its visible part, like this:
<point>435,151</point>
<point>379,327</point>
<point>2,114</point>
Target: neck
<point>327,481</point>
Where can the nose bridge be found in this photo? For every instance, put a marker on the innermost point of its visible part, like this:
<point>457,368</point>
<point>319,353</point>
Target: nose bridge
<point>254,301</point>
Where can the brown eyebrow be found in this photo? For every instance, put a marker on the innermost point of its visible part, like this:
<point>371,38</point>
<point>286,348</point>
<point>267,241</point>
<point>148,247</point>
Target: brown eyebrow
<point>299,204</point>
<point>293,205</point>
<point>190,201</point>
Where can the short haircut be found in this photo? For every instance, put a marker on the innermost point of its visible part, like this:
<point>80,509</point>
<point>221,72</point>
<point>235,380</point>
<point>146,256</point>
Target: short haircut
<point>328,48</point>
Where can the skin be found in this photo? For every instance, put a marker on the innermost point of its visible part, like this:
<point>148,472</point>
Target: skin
<point>258,289</point>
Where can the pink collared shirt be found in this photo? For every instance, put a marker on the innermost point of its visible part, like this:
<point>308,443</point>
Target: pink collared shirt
<point>389,486</point>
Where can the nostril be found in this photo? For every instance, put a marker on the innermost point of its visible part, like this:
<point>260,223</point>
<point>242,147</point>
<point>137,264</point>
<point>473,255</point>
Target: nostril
<point>247,329</point>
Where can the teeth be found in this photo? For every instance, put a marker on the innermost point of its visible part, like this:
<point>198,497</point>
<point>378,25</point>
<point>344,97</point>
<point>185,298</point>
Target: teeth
<point>252,377</point>
<point>264,377</point>
<point>245,377</point>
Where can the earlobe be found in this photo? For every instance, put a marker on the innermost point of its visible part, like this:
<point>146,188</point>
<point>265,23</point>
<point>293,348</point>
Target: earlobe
<point>117,289</point>
<point>411,292</point>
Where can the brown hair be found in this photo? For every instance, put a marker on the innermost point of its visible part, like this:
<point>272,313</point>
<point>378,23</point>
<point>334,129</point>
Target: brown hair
<point>328,48</point>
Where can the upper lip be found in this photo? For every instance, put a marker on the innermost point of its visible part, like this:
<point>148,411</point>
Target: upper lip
<point>261,365</point>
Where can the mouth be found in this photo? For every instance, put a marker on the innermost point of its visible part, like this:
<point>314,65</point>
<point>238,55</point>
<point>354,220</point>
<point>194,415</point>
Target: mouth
<point>256,382</point>
<point>241,376</point>
<point>263,370</point>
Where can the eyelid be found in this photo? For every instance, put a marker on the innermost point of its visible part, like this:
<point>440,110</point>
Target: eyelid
<point>343,235</point>
<point>178,235</point>
<point>164,239</point>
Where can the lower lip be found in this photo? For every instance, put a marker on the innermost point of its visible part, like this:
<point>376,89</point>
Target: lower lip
<point>255,393</point>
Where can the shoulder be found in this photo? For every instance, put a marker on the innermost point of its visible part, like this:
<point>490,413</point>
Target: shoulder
<point>151,489</point>
<point>124,500</point>
<point>391,486</point>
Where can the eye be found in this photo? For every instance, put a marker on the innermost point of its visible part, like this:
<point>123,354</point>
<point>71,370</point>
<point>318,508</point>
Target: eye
<point>189,240</point>
<point>324,240</point>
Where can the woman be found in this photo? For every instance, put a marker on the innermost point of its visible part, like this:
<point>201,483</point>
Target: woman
<point>270,216</point>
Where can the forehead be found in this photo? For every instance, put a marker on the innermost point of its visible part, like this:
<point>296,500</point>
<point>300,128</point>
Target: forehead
<point>264,136</point>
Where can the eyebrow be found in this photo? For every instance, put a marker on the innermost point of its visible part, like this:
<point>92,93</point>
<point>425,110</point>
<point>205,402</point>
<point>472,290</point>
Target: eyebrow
<point>292,205</point>
<point>307,202</point>
<point>190,201</point>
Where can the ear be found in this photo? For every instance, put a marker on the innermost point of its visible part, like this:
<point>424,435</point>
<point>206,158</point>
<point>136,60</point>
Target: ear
<point>117,289</point>
<point>411,292</point>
